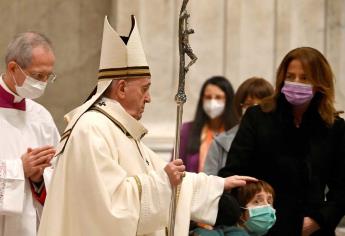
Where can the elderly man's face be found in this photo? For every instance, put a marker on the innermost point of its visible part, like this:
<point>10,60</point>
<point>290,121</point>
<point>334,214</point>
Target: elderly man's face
<point>136,95</point>
<point>41,66</point>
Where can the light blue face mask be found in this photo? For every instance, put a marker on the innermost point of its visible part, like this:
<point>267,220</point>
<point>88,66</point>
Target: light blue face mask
<point>261,219</point>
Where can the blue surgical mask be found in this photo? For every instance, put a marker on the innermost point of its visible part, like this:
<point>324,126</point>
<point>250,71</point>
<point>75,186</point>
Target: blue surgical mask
<point>261,219</point>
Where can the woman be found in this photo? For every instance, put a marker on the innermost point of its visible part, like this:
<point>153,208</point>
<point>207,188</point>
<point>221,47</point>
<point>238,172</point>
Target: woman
<point>248,94</point>
<point>213,115</point>
<point>295,141</point>
<point>257,217</point>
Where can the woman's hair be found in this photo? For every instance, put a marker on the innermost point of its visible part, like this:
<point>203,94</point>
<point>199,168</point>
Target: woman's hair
<point>247,192</point>
<point>228,117</point>
<point>254,87</point>
<point>318,71</point>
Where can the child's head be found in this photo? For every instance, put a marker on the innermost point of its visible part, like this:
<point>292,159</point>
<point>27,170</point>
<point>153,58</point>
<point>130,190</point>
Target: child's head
<point>254,194</point>
<point>256,200</point>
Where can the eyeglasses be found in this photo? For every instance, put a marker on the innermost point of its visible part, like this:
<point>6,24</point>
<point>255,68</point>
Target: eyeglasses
<point>41,76</point>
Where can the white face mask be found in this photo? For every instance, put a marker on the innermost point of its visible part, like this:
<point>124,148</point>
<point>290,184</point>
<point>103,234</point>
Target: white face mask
<point>213,107</point>
<point>31,88</point>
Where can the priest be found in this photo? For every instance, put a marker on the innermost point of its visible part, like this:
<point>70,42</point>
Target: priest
<point>28,133</point>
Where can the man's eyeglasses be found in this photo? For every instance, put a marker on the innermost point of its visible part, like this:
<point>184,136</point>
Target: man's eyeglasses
<point>41,76</point>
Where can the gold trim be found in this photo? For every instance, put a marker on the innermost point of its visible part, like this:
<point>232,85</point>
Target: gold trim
<point>124,72</point>
<point>118,124</point>
<point>140,187</point>
<point>66,134</point>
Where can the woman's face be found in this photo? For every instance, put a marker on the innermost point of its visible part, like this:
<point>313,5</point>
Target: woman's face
<point>213,92</point>
<point>295,73</point>
<point>260,199</point>
<point>213,101</point>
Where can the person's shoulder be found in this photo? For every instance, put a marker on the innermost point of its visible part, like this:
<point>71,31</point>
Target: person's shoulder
<point>226,135</point>
<point>187,126</point>
<point>339,124</point>
<point>207,232</point>
<point>36,109</point>
<point>93,119</point>
<point>338,120</point>
<point>254,112</point>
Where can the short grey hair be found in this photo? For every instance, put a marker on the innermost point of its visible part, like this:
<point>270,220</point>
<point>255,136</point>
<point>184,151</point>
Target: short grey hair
<point>20,48</point>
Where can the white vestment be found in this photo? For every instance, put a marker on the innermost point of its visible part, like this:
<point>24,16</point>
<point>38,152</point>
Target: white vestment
<point>107,182</point>
<point>20,130</point>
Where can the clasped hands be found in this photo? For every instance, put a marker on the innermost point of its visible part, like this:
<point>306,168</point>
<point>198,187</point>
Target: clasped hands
<point>35,160</point>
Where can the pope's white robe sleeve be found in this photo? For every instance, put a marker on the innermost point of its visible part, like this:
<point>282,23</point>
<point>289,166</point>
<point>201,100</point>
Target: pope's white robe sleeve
<point>12,186</point>
<point>198,201</point>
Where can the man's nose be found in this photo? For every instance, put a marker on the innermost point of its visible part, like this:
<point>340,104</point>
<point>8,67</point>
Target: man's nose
<point>148,98</point>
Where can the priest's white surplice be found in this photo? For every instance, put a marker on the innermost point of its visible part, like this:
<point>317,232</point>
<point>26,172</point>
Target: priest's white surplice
<point>20,130</point>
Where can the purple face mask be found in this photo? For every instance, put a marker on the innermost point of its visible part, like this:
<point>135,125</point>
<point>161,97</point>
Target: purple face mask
<point>297,93</point>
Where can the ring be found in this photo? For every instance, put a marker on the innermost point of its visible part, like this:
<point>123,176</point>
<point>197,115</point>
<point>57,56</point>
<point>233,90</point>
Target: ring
<point>183,174</point>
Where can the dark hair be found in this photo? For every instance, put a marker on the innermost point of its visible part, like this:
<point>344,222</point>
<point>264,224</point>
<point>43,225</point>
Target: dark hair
<point>318,70</point>
<point>228,117</point>
<point>254,87</point>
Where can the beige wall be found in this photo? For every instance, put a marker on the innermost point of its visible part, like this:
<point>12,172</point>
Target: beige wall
<point>75,27</point>
<point>235,38</point>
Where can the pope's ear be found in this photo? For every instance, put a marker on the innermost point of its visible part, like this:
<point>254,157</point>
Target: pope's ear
<point>120,88</point>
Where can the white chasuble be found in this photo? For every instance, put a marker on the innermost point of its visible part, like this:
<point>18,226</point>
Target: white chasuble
<point>107,182</point>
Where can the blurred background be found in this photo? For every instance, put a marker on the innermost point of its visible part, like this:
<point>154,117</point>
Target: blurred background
<point>234,38</point>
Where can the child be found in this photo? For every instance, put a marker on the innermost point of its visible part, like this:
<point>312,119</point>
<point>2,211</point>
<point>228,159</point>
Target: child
<point>258,215</point>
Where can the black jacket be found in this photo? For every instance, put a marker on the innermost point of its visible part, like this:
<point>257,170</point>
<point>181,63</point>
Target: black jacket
<point>298,162</point>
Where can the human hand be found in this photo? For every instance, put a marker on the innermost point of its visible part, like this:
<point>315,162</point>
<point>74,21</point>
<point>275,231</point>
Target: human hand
<point>175,171</point>
<point>36,160</point>
<point>309,226</point>
<point>237,181</point>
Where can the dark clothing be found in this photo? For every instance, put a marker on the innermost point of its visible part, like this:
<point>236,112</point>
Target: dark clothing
<point>229,211</point>
<point>298,162</point>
